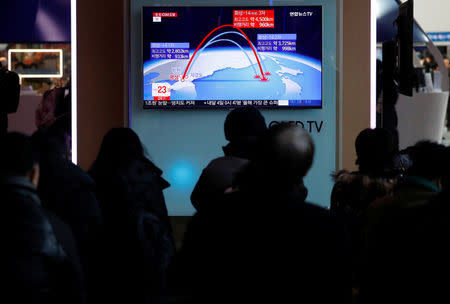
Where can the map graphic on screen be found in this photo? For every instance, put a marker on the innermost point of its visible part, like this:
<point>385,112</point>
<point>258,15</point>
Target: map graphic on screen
<point>223,57</point>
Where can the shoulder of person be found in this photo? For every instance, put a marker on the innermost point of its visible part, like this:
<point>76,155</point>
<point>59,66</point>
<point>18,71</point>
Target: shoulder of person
<point>142,171</point>
<point>228,159</point>
<point>225,164</point>
<point>79,175</point>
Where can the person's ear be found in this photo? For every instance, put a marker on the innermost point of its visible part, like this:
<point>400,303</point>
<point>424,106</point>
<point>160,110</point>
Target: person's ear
<point>33,176</point>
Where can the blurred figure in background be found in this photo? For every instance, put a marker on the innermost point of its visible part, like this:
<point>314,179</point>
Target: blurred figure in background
<point>429,63</point>
<point>41,263</point>
<point>54,111</point>
<point>139,242</point>
<point>447,64</point>
<point>243,126</point>
<point>45,112</point>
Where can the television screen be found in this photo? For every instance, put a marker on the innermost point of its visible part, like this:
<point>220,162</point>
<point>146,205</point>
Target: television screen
<point>226,57</point>
<point>36,63</point>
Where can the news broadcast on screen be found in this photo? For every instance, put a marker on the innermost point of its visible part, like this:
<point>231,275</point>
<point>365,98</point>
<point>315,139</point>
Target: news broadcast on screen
<point>226,57</point>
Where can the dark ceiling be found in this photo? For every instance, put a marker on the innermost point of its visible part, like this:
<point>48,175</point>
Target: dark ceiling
<point>49,21</point>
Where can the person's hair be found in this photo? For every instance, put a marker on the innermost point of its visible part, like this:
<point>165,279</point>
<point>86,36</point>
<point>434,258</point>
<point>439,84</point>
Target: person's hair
<point>282,158</point>
<point>428,160</point>
<point>16,155</point>
<point>119,145</point>
<point>429,55</point>
<point>375,151</point>
<point>243,127</point>
<point>244,122</point>
<point>353,192</point>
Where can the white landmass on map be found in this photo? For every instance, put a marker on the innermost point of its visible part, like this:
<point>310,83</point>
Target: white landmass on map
<point>291,87</point>
<point>285,70</point>
<point>304,61</point>
<point>185,87</point>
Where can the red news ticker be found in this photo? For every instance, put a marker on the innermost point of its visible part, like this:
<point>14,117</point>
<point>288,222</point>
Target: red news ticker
<point>254,18</point>
<point>161,97</point>
<point>165,14</point>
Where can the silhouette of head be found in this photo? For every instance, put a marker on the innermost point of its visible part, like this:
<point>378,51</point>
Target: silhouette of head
<point>428,160</point>
<point>429,57</point>
<point>447,62</point>
<point>120,143</point>
<point>51,108</point>
<point>119,146</point>
<point>243,126</point>
<point>17,157</point>
<point>282,158</point>
<point>375,151</point>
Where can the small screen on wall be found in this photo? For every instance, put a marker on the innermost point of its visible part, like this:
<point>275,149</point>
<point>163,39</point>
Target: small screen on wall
<point>224,57</point>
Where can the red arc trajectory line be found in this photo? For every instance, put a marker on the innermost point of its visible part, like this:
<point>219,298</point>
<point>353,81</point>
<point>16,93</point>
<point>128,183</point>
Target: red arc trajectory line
<point>219,27</point>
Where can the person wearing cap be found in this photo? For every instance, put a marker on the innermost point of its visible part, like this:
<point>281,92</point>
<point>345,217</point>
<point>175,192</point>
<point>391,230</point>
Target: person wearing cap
<point>243,127</point>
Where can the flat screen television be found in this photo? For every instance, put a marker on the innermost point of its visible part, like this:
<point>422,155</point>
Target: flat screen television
<point>227,57</point>
<point>36,63</point>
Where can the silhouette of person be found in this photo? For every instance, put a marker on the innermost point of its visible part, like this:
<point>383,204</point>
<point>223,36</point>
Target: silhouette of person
<point>69,192</point>
<point>41,263</point>
<point>399,237</point>
<point>139,242</point>
<point>262,241</point>
<point>243,126</point>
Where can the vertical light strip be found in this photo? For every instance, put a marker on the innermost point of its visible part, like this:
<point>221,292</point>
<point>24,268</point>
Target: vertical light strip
<point>373,64</point>
<point>73,43</point>
<point>340,75</point>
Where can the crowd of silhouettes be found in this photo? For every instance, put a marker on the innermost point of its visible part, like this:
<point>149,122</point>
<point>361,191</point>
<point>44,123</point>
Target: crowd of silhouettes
<point>104,236</point>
